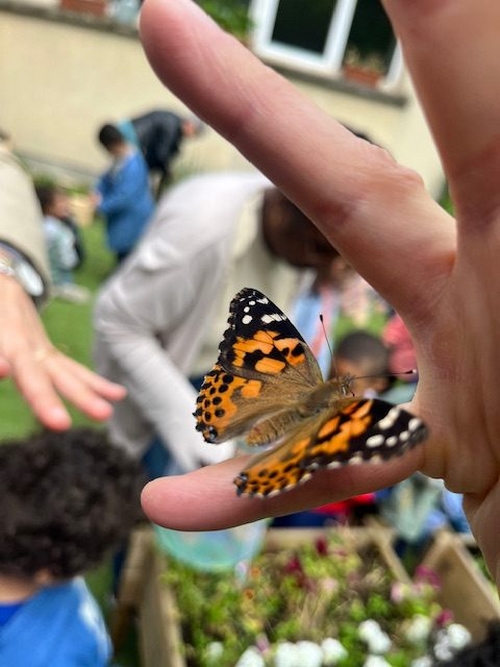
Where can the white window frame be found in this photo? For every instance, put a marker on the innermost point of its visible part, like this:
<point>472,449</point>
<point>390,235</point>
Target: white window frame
<point>329,63</point>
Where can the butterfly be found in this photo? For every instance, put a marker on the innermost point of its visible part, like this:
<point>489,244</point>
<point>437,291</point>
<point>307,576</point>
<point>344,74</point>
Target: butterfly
<point>267,387</point>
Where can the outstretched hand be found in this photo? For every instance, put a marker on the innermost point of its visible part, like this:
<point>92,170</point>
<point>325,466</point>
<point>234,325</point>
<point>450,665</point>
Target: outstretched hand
<point>442,276</point>
<point>43,374</point>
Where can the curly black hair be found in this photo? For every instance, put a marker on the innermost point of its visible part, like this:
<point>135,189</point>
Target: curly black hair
<point>67,499</point>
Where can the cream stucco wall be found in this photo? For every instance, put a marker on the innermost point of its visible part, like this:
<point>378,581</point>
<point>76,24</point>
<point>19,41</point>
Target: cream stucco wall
<point>59,82</point>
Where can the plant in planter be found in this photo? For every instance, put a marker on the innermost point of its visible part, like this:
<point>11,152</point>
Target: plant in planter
<point>324,602</point>
<point>363,69</point>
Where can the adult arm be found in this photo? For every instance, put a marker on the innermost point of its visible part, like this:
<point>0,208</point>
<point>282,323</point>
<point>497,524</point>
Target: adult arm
<point>42,374</point>
<point>442,277</point>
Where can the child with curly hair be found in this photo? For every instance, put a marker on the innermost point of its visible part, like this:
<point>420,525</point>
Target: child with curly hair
<point>67,499</point>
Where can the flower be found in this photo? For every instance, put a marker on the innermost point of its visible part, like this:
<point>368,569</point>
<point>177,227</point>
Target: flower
<point>376,661</point>
<point>377,641</point>
<point>419,629</point>
<point>449,640</point>
<point>251,658</point>
<point>309,654</point>
<point>214,652</point>
<point>333,651</point>
<point>458,636</point>
<point>287,655</point>
<point>424,661</point>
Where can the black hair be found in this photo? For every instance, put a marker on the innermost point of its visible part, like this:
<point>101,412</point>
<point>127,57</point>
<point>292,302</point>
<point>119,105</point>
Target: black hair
<point>67,499</point>
<point>109,136</point>
<point>364,347</point>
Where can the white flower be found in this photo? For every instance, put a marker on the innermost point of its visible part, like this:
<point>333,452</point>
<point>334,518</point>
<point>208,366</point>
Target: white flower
<point>333,651</point>
<point>214,651</point>
<point>458,636</point>
<point>374,637</point>
<point>426,661</point>
<point>309,654</point>
<point>442,646</point>
<point>251,658</point>
<point>287,655</point>
<point>419,629</point>
<point>376,661</point>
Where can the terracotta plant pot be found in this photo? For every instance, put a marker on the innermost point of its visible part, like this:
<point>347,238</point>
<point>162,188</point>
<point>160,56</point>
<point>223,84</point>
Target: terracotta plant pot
<point>93,7</point>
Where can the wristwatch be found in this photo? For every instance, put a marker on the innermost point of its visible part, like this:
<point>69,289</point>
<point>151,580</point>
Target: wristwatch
<point>13,264</point>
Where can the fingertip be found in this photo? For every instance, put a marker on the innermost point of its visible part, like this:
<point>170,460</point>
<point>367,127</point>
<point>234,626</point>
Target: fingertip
<point>55,418</point>
<point>150,499</point>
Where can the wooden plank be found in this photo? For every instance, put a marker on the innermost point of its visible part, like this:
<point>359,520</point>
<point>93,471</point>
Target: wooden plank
<point>464,589</point>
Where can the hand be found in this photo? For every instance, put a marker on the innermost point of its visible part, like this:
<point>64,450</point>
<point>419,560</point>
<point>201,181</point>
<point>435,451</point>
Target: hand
<point>441,276</point>
<point>42,373</point>
<point>95,199</point>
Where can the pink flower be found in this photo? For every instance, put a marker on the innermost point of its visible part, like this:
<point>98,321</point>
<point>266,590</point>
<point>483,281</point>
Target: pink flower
<point>424,574</point>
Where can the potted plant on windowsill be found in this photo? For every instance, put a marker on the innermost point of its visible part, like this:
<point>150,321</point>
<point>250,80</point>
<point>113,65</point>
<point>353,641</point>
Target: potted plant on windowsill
<point>92,7</point>
<point>366,70</point>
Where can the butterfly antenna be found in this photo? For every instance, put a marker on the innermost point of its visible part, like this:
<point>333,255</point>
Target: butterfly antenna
<point>322,320</point>
<point>412,371</point>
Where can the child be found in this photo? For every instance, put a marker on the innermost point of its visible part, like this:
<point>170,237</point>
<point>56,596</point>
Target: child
<point>363,356</point>
<point>67,499</point>
<point>62,244</point>
<point>123,194</point>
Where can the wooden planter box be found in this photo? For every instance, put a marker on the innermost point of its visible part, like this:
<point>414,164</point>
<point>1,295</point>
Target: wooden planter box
<point>464,589</point>
<point>143,592</point>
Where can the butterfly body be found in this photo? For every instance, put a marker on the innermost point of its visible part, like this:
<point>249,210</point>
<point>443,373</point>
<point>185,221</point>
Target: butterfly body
<point>267,387</point>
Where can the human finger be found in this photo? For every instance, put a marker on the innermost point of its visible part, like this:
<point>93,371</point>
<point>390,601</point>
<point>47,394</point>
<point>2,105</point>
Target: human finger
<point>47,376</point>
<point>353,190</point>
<point>451,49</point>
<point>210,494</point>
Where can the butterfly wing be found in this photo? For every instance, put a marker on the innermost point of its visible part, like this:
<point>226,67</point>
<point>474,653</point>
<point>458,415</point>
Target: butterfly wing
<point>359,430</point>
<point>264,366</point>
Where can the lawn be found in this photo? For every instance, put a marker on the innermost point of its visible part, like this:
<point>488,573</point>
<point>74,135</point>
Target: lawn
<point>70,329</point>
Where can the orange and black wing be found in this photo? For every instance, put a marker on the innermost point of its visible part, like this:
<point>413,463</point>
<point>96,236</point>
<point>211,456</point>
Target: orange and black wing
<point>264,366</point>
<point>360,430</point>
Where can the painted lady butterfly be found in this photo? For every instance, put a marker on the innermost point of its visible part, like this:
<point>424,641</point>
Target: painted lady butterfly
<point>267,386</point>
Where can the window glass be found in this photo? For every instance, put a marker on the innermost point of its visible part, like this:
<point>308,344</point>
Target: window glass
<point>371,41</point>
<point>303,23</point>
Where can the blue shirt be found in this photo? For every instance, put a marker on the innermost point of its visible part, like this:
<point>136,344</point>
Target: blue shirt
<point>127,202</point>
<point>60,626</point>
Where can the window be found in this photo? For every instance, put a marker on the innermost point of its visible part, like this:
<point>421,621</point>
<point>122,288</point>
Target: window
<point>348,39</point>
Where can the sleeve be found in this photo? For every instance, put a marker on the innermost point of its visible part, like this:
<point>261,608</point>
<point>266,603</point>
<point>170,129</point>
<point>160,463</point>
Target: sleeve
<point>20,216</point>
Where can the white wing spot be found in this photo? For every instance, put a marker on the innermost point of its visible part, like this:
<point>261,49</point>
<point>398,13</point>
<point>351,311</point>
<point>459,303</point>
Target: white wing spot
<point>392,440</point>
<point>375,440</point>
<point>268,318</point>
<point>246,319</point>
<point>389,420</point>
<point>414,424</point>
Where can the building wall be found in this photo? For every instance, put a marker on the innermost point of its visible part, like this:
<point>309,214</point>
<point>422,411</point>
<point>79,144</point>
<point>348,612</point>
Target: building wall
<point>60,80</point>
